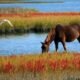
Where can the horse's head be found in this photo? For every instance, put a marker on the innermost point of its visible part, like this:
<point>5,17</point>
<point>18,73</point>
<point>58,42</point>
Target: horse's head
<point>44,47</point>
<point>50,37</point>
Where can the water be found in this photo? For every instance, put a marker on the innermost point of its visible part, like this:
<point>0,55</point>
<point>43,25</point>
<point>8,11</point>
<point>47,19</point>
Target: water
<point>30,44</point>
<point>67,6</point>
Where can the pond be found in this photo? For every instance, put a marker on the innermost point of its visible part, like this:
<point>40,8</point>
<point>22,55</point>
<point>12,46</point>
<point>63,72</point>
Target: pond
<point>30,44</point>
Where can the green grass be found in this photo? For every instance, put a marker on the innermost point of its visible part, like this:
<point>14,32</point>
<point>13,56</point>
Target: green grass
<point>39,23</point>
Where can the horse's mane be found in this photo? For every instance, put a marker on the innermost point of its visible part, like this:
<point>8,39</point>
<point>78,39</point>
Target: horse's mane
<point>49,36</point>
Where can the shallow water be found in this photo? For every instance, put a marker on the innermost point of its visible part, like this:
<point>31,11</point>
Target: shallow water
<point>30,44</point>
<point>65,6</point>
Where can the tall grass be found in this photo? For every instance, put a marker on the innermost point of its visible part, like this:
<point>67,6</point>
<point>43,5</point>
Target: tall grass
<point>36,23</point>
<point>62,66</point>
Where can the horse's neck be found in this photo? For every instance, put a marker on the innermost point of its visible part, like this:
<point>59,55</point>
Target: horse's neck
<point>49,38</point>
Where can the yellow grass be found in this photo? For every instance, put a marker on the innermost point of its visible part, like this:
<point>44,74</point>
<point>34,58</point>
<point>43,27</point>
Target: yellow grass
<point>61,73</point>
<point>38,23</point>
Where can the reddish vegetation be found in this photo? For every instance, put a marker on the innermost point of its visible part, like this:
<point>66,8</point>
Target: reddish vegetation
<point>76,62</point>
<point>36,66</point>
<point>40,64</point>
<point>64,64</point>
<point>53,64</point>
<point>40,14</point>
<point>8,67</point>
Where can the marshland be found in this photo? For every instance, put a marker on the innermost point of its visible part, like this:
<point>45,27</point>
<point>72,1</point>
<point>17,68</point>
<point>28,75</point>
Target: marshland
<point>20,47</point>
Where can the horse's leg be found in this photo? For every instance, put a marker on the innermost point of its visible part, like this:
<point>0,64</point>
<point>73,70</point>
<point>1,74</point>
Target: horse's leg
<point>64,46</point>
<point>78,39</point>
<point>56,45</point>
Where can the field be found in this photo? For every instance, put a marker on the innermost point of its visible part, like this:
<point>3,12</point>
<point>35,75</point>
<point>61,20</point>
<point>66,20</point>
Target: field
<point>47,66</point>
<point>36,21</point>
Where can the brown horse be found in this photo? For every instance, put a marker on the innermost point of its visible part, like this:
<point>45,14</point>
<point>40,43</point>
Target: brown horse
<point>61,34</point>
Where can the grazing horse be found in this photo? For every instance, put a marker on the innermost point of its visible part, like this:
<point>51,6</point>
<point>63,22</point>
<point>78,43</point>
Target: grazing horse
<point>61,33</point>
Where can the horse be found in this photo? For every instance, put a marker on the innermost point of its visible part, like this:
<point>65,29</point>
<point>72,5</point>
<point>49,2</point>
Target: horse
<point>61,33</point>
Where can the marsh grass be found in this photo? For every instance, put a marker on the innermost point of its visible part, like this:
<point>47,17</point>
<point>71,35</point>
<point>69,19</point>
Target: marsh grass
<point>36,23</point>
<point>8,72</point>
<point>57,75</point>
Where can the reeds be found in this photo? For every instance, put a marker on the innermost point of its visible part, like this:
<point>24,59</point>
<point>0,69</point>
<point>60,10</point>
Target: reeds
<point>36,22</point>
<point>55,66</point>
<point>40,63</point>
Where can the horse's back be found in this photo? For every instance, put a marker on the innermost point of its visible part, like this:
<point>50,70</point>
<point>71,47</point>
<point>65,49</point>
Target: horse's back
<point>76,27</point>
<point>69,32</point>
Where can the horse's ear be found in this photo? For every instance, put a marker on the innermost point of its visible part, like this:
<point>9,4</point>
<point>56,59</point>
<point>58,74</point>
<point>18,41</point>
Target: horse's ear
<point>42,43</point>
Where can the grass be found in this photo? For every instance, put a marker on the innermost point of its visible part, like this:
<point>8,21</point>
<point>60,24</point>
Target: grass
<point>55,66</point>
<point>36,22</point>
